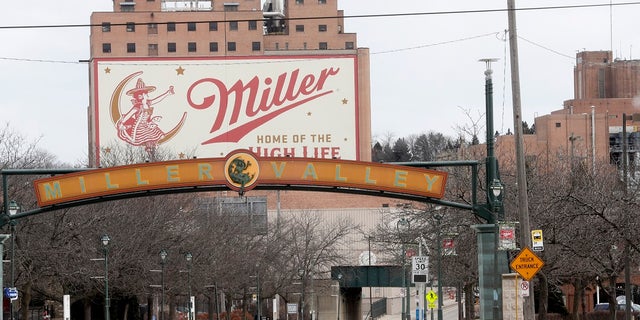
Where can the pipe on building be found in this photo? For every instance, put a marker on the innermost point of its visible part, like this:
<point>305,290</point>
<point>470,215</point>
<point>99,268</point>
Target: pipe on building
<point>593,137</point>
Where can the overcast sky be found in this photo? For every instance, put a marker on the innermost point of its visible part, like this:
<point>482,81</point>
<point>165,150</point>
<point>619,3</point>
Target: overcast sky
<point>424,68</point>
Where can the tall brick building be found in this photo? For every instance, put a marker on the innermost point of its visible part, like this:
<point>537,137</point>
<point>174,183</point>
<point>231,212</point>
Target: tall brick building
<point>146,31</point>
<point>215,32</point>
<point>589,127</point>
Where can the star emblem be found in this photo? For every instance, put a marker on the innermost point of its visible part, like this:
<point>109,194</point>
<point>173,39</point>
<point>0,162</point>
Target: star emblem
<point>181,155</point>
<point>309,114</point>
<point>180,71</point>
<point>107,70</point>
<point>345,101</point>
<point>107,150</point>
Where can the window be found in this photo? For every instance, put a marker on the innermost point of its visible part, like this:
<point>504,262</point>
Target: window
<point>213,47</point>
<point>131,27</point>
<point>233,25</point>
<point>231,7</point>
<point>322,1</point>
<point>231,46</point>
<point>213,26</point>
<point>255,46</point>
<point>106,48</point>
<point>191,47</point>
<point>349,45</point>
<point>152,28</point>
<point>191,26</point>
<point>171,26</point>
<point>322,28</point>
<point>299,1</point>
<point>299,27</point>
<point>131,47</point>
<point>106,27</point>
<point>171,47</point>
<point>253,25</point>
<point>558,125</point>
<point>127,7</point>
<point>153,49</point>
<point>322,45</point>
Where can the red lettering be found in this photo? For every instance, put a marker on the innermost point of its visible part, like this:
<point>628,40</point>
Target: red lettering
<point>245,95</point>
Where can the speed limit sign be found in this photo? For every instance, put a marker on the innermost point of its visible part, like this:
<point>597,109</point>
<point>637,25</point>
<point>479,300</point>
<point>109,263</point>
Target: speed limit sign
<point>420,269</point>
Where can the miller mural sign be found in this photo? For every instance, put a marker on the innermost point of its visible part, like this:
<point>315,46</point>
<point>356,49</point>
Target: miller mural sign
<point>240,170</point>
<point>302,106</point>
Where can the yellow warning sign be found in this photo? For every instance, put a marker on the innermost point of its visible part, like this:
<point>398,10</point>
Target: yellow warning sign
<point>432,296</point>
<point>527,263</point>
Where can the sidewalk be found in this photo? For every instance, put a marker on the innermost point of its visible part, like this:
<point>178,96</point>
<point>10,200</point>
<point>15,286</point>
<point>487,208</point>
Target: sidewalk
<point>446,304</point>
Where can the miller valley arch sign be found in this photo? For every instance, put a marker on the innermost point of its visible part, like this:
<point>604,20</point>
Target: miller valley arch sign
<point>241,171</point>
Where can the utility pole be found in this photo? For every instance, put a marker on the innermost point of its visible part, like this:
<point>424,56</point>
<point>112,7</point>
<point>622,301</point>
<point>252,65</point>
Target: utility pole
<point>521,178</point>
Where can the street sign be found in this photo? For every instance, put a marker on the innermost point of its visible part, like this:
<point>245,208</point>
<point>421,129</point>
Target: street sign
<point>419,269</point>
<point>11,293</point>
<point>526,263</point>
<point>524,288</point>
<point>537,244</point>
<point>292,308</point>
<point>432,296</point>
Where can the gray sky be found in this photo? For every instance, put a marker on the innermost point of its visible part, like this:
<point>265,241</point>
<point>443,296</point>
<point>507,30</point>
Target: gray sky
<point>424,68</point>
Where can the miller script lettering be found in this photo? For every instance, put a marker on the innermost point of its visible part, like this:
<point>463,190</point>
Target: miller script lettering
<point>265,100</point>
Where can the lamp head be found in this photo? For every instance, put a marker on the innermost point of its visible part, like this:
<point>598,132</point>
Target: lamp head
<point>105,240</point>
<point>163,255</point>
<point>403,224</point>
<point>496,188</point>
<point>13,207</point>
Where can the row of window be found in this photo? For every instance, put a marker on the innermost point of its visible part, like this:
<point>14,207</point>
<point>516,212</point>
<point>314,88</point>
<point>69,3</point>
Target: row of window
<point>152,28</point>
<point>319,1</point>
<point>172,47</point>
<point>213,47</point>
<point>171,26</point>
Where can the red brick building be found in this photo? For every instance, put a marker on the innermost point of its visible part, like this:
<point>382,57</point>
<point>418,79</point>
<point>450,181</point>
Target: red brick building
<point>243,29</point>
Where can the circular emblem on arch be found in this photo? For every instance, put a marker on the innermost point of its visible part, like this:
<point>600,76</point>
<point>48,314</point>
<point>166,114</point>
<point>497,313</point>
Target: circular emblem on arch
<point>241,170</point>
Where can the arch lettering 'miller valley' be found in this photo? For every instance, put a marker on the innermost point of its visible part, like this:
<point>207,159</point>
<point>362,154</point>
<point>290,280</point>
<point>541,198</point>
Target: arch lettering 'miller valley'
<point>273,172</point>
<point>265,99</point>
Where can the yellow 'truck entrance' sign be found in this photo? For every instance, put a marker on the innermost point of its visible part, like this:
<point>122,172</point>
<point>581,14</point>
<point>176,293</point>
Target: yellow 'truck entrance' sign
<point>527,264</point>
<point>240,170</point>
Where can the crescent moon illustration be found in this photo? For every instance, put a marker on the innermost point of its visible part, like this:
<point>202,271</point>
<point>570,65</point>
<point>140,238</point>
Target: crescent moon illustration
<point>115,97</point>
<point>116,114</point>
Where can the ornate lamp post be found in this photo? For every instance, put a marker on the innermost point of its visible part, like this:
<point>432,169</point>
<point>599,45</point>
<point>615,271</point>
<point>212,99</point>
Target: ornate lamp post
<point>105,248</point>
<point>302,279</point>
<point>13,209</point>
<point>163,258</point>
<point>402,226</point>
<point>189,258</point>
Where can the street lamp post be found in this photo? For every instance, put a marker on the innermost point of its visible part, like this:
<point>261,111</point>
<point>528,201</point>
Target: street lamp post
<point>105,248</point>
<point>438,218</point>
<point>163,258</point>
<point>403,226</point>
<point>189,258</point>
<point>338,296</point>
<point>258,304</point>
<point>491,264</point>
<point>302,279</point>
<point>13,209</point>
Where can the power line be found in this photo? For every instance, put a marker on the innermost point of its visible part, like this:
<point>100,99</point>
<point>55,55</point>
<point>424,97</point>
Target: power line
<point>384,15</point>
